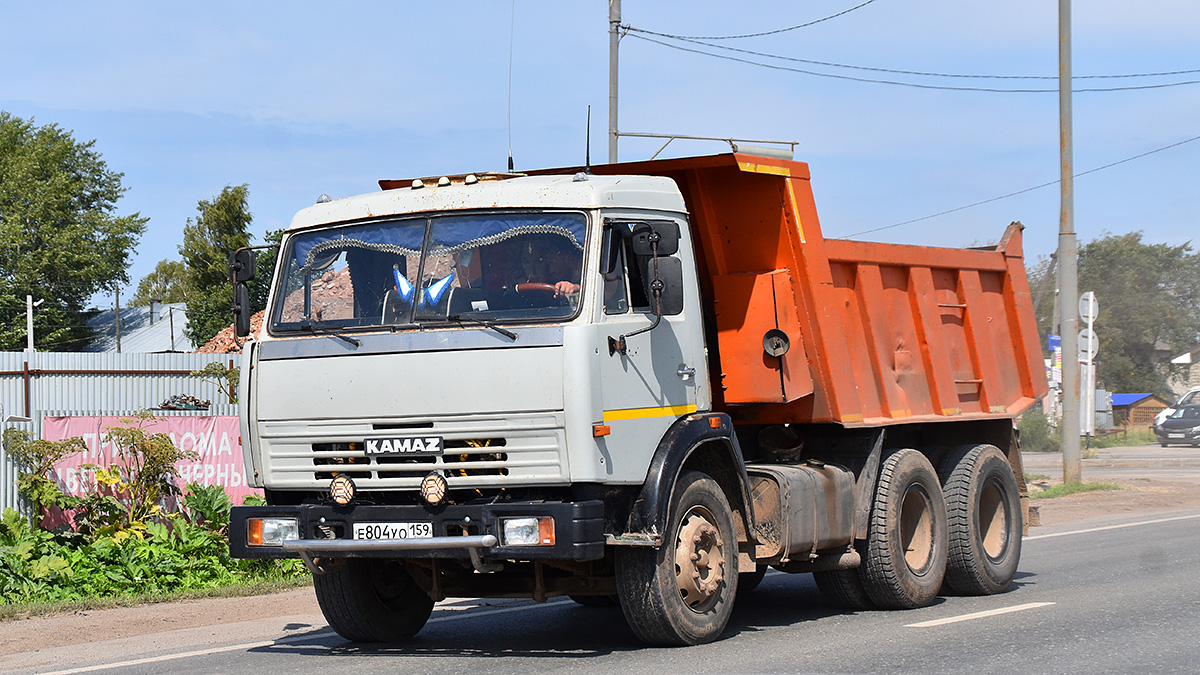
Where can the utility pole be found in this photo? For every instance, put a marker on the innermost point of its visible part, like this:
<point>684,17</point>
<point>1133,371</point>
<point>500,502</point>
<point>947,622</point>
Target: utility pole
<point>117,295</point>
<point>29,305</point>
<point>1068,257</point>
<point>614,38</point>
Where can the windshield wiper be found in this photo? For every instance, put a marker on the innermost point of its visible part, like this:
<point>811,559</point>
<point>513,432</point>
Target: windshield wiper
<point>315,330</point>
<point>486,324</point>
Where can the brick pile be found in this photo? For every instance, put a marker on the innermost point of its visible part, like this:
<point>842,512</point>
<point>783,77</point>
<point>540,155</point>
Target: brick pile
<point>223,342</point>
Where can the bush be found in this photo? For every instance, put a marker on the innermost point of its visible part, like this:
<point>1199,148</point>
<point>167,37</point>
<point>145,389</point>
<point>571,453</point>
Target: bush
<point>125,543</point>
<point>1036,433</point>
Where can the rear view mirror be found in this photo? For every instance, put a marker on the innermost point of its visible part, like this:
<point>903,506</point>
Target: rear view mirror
<point>242,265</point>
<point>670,284</point>
<point>241,309</point>
<point>645,234</point>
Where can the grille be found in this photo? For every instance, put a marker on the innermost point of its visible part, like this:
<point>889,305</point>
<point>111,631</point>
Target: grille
<point>475,453</point>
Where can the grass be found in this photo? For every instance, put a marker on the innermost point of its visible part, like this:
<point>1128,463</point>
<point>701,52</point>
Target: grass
<point>1067,489</point>
<point>26,610</point>
<point>1137,437</point>
<point>1030,477</point>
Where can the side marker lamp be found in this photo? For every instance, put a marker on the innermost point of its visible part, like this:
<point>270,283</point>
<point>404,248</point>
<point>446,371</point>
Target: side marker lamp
<point>271,531</point>
<point>533,531</point>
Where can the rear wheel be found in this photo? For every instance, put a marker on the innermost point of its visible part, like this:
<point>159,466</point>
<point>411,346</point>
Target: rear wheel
<point>748,581</point>
<point>905,560</point>
<point>371,600</point>
<point>843,588</point>
<point>983,504</point>
<point>683,592</point>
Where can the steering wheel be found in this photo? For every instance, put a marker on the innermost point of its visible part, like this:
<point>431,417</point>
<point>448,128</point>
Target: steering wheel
<point>535,286</point>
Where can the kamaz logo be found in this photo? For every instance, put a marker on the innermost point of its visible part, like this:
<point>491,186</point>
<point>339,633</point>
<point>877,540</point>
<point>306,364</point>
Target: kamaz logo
<point>426,445</point>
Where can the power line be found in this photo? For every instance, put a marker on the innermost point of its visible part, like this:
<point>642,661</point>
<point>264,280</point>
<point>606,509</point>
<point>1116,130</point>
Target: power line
<point>749,35</point>
<point>920,73</point>
<point>1029,189</point>
<point>915,85</point>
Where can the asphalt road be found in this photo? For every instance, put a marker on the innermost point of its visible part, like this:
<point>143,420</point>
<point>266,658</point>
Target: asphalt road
<point>1173,463</point>
<point>1104,595</point>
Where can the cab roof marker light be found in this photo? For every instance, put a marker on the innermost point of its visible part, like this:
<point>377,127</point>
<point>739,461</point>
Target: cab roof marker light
<point>418,184</point>
<point>443,181</point>
<point>471,179</point>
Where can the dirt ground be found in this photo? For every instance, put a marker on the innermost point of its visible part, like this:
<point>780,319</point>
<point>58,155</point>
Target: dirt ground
<point>41,632</point>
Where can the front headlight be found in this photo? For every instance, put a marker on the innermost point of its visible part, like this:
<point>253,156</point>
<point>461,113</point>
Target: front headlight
<point>271,531</point>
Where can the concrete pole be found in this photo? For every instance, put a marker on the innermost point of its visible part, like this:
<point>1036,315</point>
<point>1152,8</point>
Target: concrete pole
<point>1068,257</point>
<point>614,38</point>
<point>29,323</point>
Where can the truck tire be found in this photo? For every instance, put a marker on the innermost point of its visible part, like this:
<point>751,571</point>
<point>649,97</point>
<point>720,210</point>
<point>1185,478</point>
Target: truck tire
<point>371,600</point>
<point>906,547</point>
<point>843,588</point>
<point>682,593</point>
<point>748,581</point>
<point>983,505</point>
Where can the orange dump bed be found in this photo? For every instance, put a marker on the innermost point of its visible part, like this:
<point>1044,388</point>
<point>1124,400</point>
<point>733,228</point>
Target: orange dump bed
<point>874,333</point>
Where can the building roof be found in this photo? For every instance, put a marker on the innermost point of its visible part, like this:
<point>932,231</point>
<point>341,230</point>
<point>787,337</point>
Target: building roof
<point>141,331</point>
<point>1131,399</point>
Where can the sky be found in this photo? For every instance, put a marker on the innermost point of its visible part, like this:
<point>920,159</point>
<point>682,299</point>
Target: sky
<point>303,98</point>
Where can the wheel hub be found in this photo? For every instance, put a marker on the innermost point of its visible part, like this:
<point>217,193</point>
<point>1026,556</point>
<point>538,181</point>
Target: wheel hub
<point>699,559</point>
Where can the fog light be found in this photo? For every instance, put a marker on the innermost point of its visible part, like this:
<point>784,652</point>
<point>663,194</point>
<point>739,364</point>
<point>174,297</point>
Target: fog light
<point>342,489</point>
<point>532,531</point>
<point>271,531</point>
<point>433,488</point>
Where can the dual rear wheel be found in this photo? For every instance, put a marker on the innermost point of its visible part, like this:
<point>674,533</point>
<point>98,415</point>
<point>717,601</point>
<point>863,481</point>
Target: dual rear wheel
<point>959,526</point>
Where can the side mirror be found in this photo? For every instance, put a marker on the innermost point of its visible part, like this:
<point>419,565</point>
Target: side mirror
<point>241,309</point>
<point>242,265</point>
<point>645,234</point>
<point>669,281</point>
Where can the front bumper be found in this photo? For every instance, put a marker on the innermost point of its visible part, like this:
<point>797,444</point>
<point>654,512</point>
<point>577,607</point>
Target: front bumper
<point>326,531</point>
<point>1184,435</point>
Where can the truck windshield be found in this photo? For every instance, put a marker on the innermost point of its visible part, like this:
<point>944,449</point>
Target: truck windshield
<point>489,267</point>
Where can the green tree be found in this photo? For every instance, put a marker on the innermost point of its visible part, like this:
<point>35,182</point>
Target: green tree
<point>221,226</point>
<point>60,238</point>
<point>1149,296</point>
<point>165,284</point>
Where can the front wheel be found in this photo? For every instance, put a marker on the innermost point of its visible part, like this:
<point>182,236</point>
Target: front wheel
<point>371,600</point>
<point>683,592</point>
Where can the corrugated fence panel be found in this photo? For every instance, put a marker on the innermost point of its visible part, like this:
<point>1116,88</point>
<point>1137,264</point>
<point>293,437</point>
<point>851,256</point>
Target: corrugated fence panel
<point>64,384</point>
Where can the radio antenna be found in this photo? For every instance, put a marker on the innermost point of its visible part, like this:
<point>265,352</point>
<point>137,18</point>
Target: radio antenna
<point>511,28</point>
<point>587,143</point>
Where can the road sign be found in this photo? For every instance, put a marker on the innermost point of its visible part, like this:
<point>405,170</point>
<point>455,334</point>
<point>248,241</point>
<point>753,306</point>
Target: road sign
<point>1088,307</point>
<point>1089,344</point>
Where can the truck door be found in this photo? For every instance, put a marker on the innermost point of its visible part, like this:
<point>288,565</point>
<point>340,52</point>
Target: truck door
<point>662,375</point>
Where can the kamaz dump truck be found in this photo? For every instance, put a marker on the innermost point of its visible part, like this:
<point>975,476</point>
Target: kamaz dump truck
<point>642,384</point>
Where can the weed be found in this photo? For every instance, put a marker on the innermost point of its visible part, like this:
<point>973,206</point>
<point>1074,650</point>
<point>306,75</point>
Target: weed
<point>1066,489</point>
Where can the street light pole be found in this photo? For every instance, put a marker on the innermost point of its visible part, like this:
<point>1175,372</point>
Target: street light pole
<point>1068,257</point>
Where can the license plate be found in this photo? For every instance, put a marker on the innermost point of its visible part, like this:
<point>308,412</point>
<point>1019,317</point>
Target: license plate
<point>404,445</point>
<point>373,531</point>
<point>1176,435</point>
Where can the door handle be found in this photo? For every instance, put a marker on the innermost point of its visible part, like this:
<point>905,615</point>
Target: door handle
<point>684,372</point>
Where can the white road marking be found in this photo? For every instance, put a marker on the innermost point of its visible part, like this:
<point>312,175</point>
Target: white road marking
<point>1113,527</point>
<point>185,655</point>
<point>268,643</point>
<point>979,615</point>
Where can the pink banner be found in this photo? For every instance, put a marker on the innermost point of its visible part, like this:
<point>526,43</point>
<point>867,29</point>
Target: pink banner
<point>215,439</point>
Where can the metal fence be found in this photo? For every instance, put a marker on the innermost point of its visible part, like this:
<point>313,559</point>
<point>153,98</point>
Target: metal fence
<point>48,384</point>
